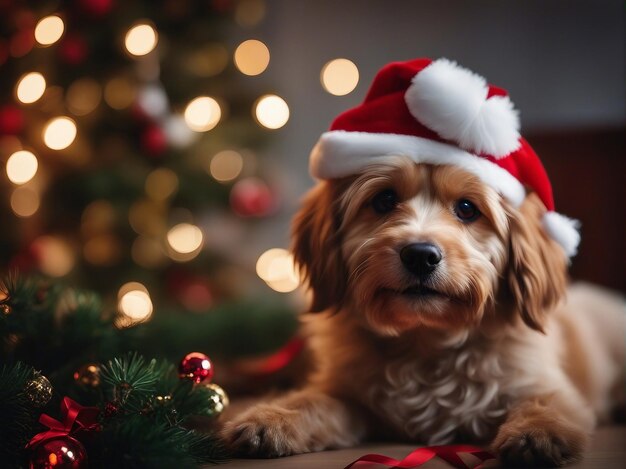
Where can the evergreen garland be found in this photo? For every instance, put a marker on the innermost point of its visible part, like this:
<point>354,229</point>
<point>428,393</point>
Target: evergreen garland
<point>146,413</point>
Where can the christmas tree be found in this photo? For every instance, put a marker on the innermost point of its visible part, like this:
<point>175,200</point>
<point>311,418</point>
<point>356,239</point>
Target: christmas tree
<point>132,138</point>
<point>131,143</point>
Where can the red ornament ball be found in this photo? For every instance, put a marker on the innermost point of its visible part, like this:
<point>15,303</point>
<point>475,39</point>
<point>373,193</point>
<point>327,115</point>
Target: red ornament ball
<point>63,452</point>
<point>97,8</point>
<point>196,367</point>
<point>11,120</point>
<point>73,49</point>
<point>153,140</point>
<point>251,197</point>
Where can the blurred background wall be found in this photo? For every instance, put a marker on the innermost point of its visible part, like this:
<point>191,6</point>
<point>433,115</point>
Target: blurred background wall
<point>562,62</point>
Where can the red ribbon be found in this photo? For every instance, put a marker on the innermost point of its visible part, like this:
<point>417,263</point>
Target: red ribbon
<point>448,453</point>
<point>272,363</point>
<point>76,418</point>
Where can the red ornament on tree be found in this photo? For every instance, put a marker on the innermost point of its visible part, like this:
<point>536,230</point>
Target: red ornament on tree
<point>153,140</point>
<point>251,197</point>
<point>196,367</point>
<point>97,8</point>
<point>63,452</point>
<point>11,120</point>
<point>73,50</point>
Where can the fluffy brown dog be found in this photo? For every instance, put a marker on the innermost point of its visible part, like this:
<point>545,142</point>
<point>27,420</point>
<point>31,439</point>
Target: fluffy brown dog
<point>437,266</point>
<point>480,349</point>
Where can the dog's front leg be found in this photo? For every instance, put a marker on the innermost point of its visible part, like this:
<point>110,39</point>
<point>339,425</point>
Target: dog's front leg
<point>299,422</point>
<point>544,431</point>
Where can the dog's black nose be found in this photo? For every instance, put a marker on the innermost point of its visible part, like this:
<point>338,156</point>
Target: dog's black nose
<point>420,258</point>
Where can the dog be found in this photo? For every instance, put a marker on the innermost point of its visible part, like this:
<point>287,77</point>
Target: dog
<point>442,314</point>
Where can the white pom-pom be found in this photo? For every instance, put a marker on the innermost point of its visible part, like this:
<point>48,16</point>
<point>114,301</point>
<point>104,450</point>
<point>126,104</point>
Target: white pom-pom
<point>452,101</point>
<point>563,230</point>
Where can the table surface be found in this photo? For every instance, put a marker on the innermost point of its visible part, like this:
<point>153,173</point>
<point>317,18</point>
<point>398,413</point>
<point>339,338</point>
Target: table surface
<point>607,451</point>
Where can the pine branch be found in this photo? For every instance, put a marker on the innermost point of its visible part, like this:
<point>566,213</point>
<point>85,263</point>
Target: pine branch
<point>139,442</point>
<point>18,414</point>
<point>129,382</point>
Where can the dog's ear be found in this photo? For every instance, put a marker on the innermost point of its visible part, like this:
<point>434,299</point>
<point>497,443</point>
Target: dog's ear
<point>537,271</point>
<point>317,249</point>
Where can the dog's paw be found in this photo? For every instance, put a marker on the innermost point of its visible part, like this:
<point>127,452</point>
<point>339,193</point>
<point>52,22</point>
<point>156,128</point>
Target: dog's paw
<point>538,446</point>
<point>266,431</point>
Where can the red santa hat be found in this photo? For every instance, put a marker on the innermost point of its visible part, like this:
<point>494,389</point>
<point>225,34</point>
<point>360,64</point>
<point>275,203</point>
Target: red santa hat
<point>438,112</point>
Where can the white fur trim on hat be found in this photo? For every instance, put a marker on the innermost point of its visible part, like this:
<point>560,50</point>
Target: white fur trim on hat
<point>339,153</point>
<point>563,230</point>
<point>452,101</point>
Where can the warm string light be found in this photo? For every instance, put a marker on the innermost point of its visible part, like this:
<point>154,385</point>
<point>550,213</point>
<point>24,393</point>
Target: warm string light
<point>30,87</point>
<point>276,267</point>
<point>103,250</point>
<point>161,184</point>
<point>83,96</point>
<point>208,61</point>
<point>339,77</point>
<point>59,133</point>
<point>21,167</point>
<point>271,111</point>
<point>185,241</point>
<point>252,57</point>
<point>141,39</point>
<point>202,114</point>
<point>249,13</point>
<point>226,165</point>
<point>24,201</point>
<point>49,30</point>
<point>119,93</point>
<point>147,252</point>
<point>134,304</point>
<point>56,257</point>
<point>147,217</point>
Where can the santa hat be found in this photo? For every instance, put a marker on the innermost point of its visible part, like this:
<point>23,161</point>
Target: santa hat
<point>438,112</point>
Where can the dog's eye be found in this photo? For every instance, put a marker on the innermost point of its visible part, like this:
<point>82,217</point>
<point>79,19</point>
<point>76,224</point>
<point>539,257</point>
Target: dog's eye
<point>466,211</point>
<point>385,201</point>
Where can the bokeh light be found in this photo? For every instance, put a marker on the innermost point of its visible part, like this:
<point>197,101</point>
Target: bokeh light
<point>146,217</point>
<point>249,13</point>
<point>202,114</point>
<point>102,250</point>
<point>271,111</point>
<point>141,39</point>
<point>83,96</point>
<point>147,252</point>
<point>252,57</point>
<point>226,165</point>
<point>185,239</point>
<point>59,133</point>
<point>98,217</point>
<point>56,257</point>
<point>21,167</point>
<point>49,30</point>
<point>161,184</point>
<point>24,201</point>
<point>134,303</point>
<point>30,87</point>
<point>209,60</point>
<point>276,267</point>
<point>339,77</point>
<point>119,93</point>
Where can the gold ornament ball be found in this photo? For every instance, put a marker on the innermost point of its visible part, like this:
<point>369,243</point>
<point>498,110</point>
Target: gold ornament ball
<point>38,391</point>
<point>88,375</point>
<point>5,309</point>
<point>218,400</point>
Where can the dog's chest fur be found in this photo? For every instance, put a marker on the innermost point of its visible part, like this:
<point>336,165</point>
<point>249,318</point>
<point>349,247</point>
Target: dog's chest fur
<point>455,395</point>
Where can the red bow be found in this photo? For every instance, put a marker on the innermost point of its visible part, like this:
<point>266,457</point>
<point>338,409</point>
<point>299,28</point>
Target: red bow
<point>76,418</point>
<point>418,457</point>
